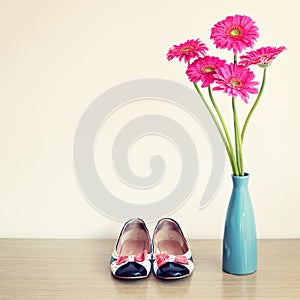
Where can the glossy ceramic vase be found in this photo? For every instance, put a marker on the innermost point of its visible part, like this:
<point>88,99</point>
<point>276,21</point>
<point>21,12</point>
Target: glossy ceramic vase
<point>239,243</point>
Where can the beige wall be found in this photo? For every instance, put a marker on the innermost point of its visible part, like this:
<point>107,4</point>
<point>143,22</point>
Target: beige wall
<point>56,57</point>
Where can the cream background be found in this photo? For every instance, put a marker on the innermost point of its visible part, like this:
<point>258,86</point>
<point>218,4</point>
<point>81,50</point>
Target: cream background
<point>56,57</point>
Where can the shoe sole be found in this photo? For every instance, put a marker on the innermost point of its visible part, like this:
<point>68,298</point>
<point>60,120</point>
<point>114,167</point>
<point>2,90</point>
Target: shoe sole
<point>130,278</point>
<point>173,278</point>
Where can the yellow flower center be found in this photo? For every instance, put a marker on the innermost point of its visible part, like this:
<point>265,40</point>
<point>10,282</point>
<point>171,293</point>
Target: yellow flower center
<point>208,69</point>
<point>236,83</point>
<point>187,48</point>
<point>234,31</point>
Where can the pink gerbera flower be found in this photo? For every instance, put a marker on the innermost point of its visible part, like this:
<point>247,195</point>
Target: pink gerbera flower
<point>235,32</point>
<point>204,69</point>
<point>235,80</point>
<point>262,57</point>
<point>188,50</point>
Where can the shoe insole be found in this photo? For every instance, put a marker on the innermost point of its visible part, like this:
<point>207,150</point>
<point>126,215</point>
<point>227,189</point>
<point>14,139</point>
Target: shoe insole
<point>170,247</point>
<point>132,247</point>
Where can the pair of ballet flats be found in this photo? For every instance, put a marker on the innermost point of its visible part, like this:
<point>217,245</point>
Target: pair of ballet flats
<point>134,256</point>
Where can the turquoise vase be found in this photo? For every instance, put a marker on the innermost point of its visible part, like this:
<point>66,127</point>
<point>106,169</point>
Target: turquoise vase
<point>239,243</point>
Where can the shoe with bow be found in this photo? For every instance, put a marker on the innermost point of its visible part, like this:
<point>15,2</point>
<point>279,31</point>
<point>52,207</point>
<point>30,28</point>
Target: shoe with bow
<point>131,256</point>
<point>171,252</point>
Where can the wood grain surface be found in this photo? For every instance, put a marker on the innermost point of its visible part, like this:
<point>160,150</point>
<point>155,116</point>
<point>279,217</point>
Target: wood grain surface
<point>79,269</point>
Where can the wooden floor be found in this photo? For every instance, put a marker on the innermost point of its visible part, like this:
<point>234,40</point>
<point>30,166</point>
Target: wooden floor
<point>79,269</point>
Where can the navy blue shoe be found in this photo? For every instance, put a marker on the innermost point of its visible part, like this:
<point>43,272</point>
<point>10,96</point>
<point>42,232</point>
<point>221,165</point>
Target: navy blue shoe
<point>171,252</point>
<point>132,254</point>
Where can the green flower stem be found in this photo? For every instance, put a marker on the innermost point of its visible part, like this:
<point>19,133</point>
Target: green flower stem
<point>255,104</point>
<point>232,156</point>
<point>217,125</point>
<point>238,140</point>
<point>235,58</point>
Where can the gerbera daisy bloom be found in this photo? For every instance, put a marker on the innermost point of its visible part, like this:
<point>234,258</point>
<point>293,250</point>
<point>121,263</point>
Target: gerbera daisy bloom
<point>204,69</point>
<point>188,50</point>
<point>262,56</point>
<point>235,80</point>
<point>235,33</point>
